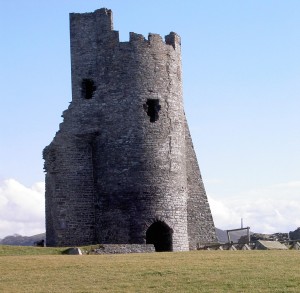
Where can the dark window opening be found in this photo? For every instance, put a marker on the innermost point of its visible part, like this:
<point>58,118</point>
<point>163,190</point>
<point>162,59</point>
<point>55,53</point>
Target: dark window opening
<point>152,108</point>
<point>160,235</point>
<point>88,88</point>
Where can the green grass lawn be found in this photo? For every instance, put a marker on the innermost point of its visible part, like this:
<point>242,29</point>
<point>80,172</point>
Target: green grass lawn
<point>197,271</point>
<point>7,250</point>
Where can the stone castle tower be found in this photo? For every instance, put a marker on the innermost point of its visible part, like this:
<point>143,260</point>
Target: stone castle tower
<point>122,168</point>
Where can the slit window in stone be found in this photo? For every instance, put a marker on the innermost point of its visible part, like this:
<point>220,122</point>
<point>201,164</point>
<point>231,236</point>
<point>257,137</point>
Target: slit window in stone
<point>88,88</point>
<point>152,108</point>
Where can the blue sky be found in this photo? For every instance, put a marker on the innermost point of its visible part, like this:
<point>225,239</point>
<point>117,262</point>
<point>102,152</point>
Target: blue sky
<point>241,72</point>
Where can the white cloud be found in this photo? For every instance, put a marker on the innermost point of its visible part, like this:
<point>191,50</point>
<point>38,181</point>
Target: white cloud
<point>267,210</point>
<point>22,209</point>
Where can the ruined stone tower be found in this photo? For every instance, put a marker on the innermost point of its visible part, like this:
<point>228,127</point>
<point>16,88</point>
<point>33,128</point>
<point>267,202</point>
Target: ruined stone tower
<point>122,168</point>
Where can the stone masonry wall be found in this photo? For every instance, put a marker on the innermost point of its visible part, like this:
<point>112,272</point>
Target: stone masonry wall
<point>122,248</point>
<point>123,158</point>
<point>201,227</point>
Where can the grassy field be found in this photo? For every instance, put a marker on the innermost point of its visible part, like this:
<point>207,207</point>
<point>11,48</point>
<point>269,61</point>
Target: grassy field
<point>198,271</point>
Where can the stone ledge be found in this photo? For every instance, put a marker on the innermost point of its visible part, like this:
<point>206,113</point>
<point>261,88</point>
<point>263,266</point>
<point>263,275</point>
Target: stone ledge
<point>122,248</point>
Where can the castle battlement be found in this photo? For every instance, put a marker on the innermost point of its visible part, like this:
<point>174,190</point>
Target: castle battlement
<point>155,39</point>
<point>101,22</point>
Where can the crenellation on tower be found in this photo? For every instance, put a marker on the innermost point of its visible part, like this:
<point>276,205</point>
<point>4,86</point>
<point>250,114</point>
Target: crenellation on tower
<point>154,39</point>
<point>173,39</point>
<point>136,38</point>
<point>122,168</point>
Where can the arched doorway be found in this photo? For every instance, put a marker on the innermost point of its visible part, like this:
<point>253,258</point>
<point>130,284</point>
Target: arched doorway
<point>160,234</point>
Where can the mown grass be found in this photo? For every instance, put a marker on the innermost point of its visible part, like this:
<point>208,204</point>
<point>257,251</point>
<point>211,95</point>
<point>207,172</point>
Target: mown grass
<point>6,250</point>
<point>198,271</point>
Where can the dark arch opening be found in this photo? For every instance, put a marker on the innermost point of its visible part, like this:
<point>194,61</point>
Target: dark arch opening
<point>160,235</point>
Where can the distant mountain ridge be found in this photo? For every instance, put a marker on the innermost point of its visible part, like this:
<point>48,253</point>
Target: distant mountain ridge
<point>20,240</point>
<point>17,239</point>
<point>234,235</point>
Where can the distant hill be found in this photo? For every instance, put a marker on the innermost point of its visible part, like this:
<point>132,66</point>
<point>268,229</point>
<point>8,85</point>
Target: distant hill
<point>234,236</point>
<point>221,235</point>
<point>17,239</point>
